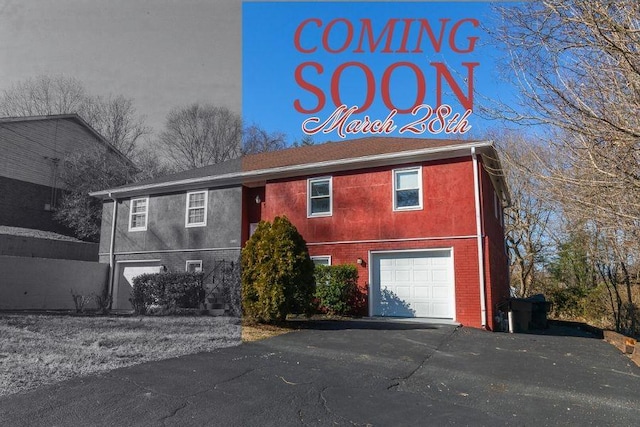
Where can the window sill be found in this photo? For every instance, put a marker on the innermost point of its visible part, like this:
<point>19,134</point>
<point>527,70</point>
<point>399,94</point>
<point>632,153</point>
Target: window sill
<point>416,208</point>
<point>320,215</point>
<point>195,225</point>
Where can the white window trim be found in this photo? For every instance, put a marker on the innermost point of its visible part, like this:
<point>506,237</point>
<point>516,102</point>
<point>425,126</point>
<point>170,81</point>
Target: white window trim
<point>146,214</point>
<point>393,189</point>
<point>309,182</point>
<point>320,257</point>
<point>197,262</point>
<point>186,213</point>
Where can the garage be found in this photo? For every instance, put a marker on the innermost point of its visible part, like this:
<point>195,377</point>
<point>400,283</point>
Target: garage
<point>413,284</point>
<point>126,271</point>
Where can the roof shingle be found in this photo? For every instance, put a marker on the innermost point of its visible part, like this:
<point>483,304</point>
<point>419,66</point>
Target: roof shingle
<point>329,151</point>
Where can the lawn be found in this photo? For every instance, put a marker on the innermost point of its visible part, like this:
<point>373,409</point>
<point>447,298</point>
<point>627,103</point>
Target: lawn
<point>44,349</point>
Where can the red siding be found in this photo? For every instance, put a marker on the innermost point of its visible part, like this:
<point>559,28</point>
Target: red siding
<point>252,211</point>
<point>362,205</point>
<point>363,220</point>
<point>496,262</point>
<point>465,260</point>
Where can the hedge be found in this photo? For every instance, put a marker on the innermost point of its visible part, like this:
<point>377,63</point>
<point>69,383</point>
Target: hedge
<point>337,288</point>
<point>168,290</point>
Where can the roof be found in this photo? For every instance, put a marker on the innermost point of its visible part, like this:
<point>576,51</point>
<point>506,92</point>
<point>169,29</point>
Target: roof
<point>353,148</point>
<point>74,118</point>
<point>311,159</point>
<point>224,168</point>
<point>40,234</point>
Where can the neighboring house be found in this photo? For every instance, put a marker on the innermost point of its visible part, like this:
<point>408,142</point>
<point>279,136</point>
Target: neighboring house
<point>421,218</point>
<point>32,151</point>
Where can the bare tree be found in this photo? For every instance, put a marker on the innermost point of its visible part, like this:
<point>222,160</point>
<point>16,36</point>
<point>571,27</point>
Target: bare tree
<point>576,64</point>
<point>527,217</point>
<point>43,96</point>
<point>257,140</point>
<point>114,117</point>
<point>82,172</point>
<point>304,141</point>
<point>149,163</point>
<point>526,221</point>
<point>200,135</point>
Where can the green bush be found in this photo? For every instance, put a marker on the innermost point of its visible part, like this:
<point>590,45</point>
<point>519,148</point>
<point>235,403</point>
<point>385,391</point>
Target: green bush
<point>337,288</point>
<point>567,301</point>
<point>168,290</point>
<point>277,273</point>
<point>142,295</point>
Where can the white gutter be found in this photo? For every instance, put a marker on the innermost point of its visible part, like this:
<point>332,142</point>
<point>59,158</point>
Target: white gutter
<point>112,247</point>
<point>476,188</point>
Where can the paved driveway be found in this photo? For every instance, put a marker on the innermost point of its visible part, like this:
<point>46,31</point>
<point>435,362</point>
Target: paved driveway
<point>357,373</point>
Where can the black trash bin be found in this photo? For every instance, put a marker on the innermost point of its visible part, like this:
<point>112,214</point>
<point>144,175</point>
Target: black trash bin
<point>539,309</point>
<point>529,313</point>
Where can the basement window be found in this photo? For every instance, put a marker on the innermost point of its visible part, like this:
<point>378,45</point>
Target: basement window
<point>194,266</point>
<point>196,213</point>
<point>407,189</point>
<point>321,260</point>
<point>319,197</point>
<point>138,212</point>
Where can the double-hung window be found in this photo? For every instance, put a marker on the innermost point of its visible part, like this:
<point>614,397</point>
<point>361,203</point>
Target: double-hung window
<point>319,196</point>
<point>407,189</point>
<point>196,214</point>
<point>138,212</point>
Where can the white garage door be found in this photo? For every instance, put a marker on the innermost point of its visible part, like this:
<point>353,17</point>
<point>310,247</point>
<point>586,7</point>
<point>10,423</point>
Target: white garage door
<point>413,284</point>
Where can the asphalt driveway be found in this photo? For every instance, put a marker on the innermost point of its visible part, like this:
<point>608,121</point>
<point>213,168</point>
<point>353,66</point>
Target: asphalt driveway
<point>357,373</point>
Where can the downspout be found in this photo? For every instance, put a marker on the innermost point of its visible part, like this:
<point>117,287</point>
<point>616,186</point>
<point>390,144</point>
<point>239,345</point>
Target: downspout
<point>476,188</point>
<point>112,244</point>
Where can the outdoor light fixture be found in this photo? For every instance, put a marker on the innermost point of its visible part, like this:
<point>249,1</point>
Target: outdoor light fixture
<point>258,200</point>
<point>360,261</point>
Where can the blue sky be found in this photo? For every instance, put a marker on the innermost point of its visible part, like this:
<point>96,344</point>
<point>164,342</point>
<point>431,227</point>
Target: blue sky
<point>165,54</point>
<point>270,59</point>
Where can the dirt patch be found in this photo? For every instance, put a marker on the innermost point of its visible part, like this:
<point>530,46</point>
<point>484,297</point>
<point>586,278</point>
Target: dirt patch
<point>256,331</point>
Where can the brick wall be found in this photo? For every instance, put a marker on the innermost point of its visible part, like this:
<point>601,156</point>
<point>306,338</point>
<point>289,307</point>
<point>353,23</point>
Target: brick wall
<point>465,259</point>
<point>362,204</point>
<point>496,261</point>
<point>176,261</point>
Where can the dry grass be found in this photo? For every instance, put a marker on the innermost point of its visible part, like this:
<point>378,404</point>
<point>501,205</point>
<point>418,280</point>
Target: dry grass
<point>44,349</point>
<point>255,332</point>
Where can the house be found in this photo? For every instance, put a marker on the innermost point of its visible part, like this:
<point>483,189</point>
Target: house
<point>421,218</point>
<point>32,151</point>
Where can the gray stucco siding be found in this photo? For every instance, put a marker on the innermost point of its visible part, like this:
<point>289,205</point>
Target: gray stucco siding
<point>166,228</point>
<point>176,261</point>
<point>105,229</point>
